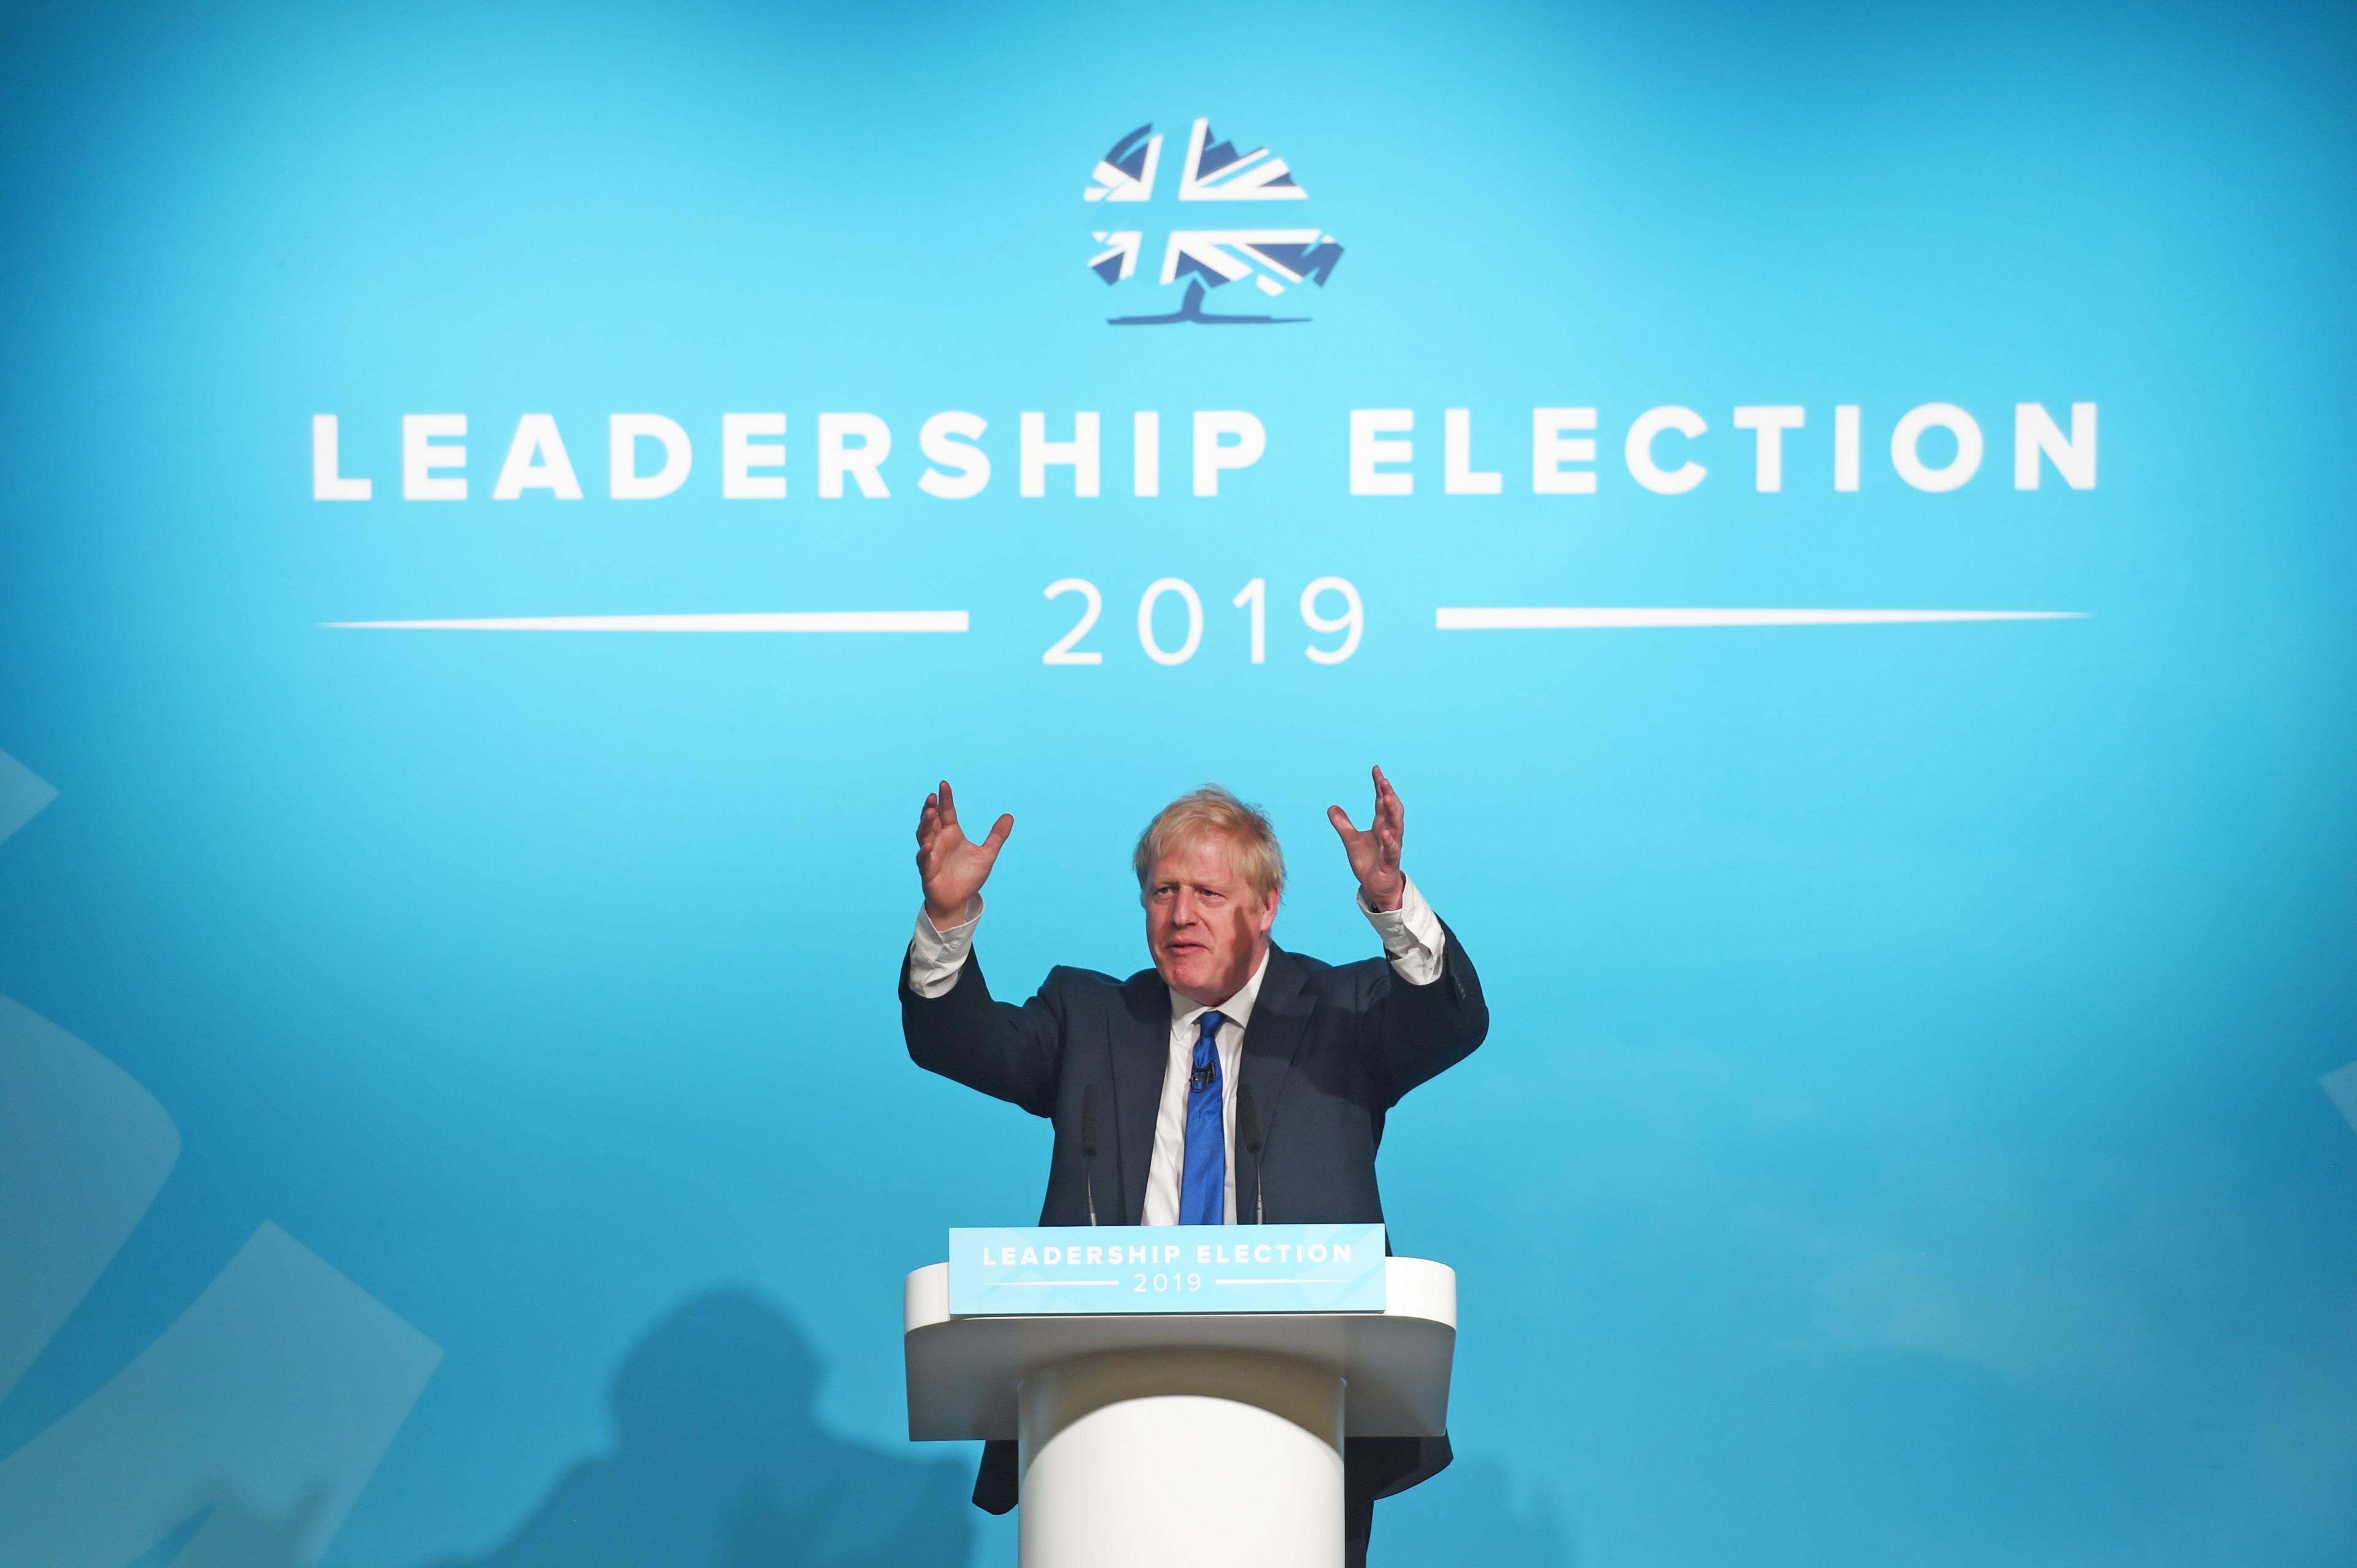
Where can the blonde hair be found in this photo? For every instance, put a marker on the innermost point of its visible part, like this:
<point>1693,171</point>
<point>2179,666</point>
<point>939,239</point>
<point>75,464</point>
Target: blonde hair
<point>1211,810</point>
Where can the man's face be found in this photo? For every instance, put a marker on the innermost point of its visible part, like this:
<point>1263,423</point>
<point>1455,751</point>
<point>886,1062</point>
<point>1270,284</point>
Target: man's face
<point>1206,928</point>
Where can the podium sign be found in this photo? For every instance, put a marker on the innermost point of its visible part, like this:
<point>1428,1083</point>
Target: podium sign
<point>1096,1269</point>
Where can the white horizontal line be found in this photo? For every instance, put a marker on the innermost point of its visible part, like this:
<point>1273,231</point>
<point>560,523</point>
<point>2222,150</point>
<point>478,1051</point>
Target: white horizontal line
<point>1277,1282</point>
<point>778,620</point>
<point>1574,617</point>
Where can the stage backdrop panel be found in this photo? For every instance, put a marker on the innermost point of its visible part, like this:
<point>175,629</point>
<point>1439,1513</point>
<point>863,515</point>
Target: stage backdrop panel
<point>1831,515</point>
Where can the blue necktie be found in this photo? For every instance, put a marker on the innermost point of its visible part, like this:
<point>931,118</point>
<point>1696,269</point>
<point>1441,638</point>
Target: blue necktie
<point>1203,1191</point>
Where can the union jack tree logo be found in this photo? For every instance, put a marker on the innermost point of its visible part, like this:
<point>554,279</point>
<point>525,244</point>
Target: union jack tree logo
<point>1274,259</point>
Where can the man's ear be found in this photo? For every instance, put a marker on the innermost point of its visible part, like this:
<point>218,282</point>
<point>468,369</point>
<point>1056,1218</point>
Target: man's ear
<point>1268,911</point>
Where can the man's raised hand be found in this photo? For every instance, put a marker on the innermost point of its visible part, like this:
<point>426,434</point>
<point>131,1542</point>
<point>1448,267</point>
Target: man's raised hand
<point>1375,854</point>
<point>955,867</point>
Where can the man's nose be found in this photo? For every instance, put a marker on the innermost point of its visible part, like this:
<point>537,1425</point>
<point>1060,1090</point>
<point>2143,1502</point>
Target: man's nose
<point>1182,908</point>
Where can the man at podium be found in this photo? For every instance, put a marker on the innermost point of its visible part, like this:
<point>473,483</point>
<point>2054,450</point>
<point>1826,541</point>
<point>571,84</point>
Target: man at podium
<point>1233,1082</point>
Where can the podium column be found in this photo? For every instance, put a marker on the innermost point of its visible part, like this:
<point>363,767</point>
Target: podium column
<point>1181,1458</point>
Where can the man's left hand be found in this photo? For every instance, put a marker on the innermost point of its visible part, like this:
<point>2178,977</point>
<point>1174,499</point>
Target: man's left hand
<point>1375,854</point>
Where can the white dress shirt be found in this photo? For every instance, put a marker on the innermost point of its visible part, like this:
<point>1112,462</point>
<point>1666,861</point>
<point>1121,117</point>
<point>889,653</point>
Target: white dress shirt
<point>1411,939</point>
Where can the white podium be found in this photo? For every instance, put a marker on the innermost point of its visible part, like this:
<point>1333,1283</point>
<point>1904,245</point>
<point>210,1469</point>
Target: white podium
<point>1181,1440</point>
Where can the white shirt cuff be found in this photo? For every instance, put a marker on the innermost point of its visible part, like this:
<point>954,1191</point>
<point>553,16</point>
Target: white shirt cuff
<point>1411,935</point>
<point>936,956</point>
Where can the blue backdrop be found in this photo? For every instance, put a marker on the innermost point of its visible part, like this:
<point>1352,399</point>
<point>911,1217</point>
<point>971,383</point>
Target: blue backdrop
<point>449,1082</point>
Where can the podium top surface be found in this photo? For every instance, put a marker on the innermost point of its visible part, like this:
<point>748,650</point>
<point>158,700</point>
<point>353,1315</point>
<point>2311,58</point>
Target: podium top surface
<point>964,1371</point>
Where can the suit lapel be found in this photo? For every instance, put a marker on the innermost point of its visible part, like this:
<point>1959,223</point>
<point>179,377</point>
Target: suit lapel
<point>1139,1042</point>
<point>1280,1018</point>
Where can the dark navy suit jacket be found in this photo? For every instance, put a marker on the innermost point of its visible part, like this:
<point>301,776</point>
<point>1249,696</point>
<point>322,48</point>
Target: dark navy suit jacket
<point>1329,1050</point>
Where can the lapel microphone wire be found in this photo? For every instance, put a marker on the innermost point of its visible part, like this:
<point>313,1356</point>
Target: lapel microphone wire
<point>1248,1134</point>
<point>1089,1146</point>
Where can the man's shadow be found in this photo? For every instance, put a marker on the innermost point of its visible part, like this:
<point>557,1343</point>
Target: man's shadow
<point>719,1462</point>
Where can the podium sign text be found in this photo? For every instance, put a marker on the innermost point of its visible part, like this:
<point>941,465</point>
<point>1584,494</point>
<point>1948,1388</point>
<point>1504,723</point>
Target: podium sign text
<point>1166,1268</point>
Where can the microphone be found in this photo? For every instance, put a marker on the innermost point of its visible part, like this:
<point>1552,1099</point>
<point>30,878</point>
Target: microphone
<point>1089,1146</point>
<point>1248,1134</point>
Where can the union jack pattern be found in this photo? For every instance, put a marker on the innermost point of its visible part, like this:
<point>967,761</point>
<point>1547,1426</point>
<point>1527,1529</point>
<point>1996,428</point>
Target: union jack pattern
<point>1274,260</point>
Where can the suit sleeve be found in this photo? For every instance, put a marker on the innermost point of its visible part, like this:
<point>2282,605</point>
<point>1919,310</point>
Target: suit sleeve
<point>1006,1051</point>
<point>1415,1032</point>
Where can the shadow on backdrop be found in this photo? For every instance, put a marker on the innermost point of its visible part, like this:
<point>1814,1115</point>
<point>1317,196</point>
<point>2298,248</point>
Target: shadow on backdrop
<point>719,1462</point>
<point>1467,1515</point>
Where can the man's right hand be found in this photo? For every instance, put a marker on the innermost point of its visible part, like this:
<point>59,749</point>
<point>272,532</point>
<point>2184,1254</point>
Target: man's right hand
<point>954,866</point>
